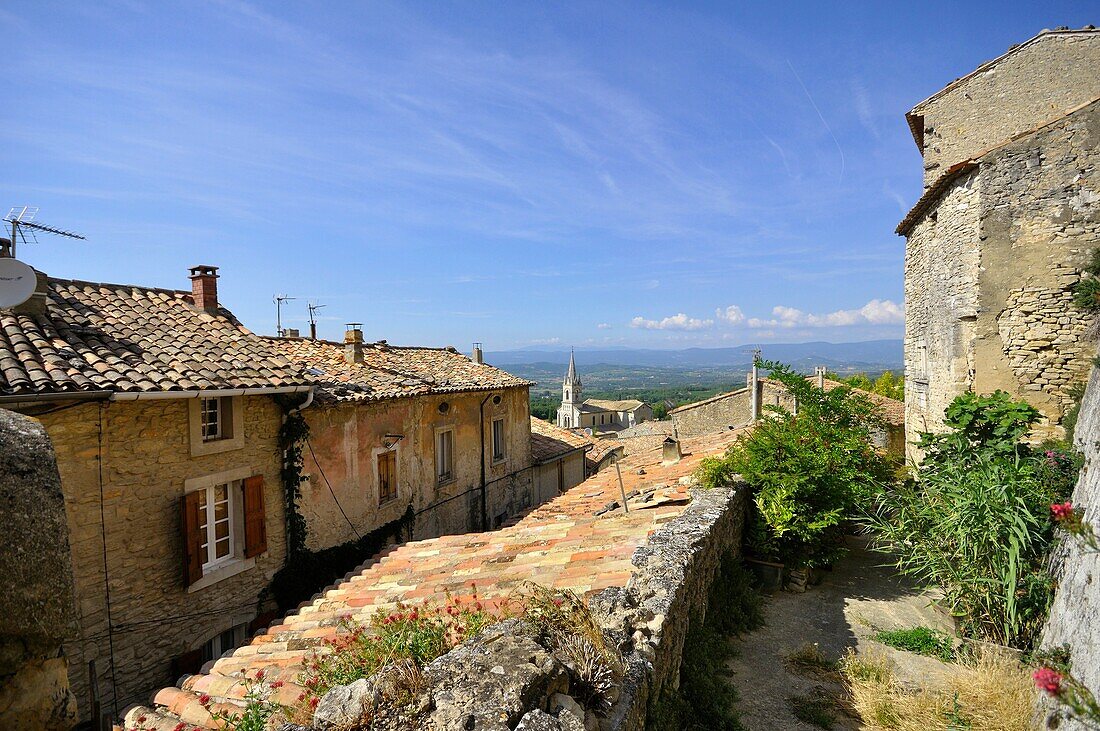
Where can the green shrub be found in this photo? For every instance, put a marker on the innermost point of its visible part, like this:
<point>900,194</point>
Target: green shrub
<point>921,640</point>
<point>976,520</point>
<point>808,471</point>
<point>1086,293</point>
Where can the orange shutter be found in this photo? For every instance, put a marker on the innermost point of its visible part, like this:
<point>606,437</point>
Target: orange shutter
<point>192,538</point>
<point>255,523</point>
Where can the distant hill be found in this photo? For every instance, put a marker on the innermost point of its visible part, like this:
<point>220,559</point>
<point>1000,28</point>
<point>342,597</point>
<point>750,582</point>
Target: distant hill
<point>866,355</point>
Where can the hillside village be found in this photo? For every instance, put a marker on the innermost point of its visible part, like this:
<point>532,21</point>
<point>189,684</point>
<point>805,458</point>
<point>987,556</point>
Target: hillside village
<point>209,523</point>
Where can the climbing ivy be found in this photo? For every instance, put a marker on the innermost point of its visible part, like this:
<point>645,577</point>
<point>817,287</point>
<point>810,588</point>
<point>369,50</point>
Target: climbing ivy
<point>292,435</point>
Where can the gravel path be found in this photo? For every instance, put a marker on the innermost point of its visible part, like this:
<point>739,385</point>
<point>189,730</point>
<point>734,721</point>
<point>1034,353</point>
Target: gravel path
<point>857,599</point>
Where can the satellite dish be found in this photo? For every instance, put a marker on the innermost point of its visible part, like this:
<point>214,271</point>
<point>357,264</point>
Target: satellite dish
<point>588,431</point>
<point>17,282</point>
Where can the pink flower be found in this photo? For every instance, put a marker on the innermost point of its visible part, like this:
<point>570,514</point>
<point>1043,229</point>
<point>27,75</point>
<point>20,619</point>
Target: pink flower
<point>141,720</point>
<point>277,684</point>
<point>180,726</point>
<point>314,701</point>
<point>259,675</point>
<point>1048,680</point>
<point>1062,511</point>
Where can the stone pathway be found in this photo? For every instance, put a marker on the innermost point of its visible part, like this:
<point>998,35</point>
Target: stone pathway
<point>859,598</point>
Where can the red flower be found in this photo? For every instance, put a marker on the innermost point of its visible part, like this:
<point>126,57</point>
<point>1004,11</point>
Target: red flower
<point>277,684</point>
<point>1062,511</point>
<point>314,701</point>
<point>259,675</point>
<point>180,726</point>
<point>204,699</point>
<point>141,720</point>
<point>1048,680</point>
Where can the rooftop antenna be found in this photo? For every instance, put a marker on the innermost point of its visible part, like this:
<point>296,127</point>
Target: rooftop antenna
<point>22,220</point>
<point>313,307</point>
<point>279,299</point>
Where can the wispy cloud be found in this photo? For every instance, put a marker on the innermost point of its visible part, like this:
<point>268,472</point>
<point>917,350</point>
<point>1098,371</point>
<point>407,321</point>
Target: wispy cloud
<point>875,312</point>
<point>674,322</point>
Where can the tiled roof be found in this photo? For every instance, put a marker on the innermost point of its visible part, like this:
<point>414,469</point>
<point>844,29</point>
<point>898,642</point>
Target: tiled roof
<point>572,542</point>
<point>549,441</point>
<point>602,405</point>
<point>114,337</point>
<point>892,410</point>
<point>390,371</point>
<point>647,429</point>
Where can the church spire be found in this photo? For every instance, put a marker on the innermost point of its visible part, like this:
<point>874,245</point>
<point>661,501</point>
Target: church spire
<point>571,374</point>
<point>571,386</point>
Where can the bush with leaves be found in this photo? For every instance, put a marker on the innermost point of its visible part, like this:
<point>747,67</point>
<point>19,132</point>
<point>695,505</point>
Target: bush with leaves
<point>976,519</point>
<point>809,470</point>
<point>1086,293</point>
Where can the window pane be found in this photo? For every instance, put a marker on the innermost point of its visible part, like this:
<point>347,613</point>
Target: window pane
<point>221,529</point>
<point>221,549</point>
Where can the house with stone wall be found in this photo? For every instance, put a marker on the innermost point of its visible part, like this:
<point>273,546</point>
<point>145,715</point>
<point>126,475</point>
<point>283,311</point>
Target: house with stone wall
<point>397,430</point>
<point>164,414</point>
<point>1009,215</point>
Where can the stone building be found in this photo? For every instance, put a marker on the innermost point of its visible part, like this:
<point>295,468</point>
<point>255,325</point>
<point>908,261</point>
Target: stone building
<point>560,459</point>
<point>1009,215</point>
<point>596,414</point>
<point>162,411</point>
<point>737,409</point>
<point>394,428</point>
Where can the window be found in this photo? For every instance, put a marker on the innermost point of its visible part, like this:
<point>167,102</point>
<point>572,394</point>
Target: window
<point>601,418</point>
<point>216,420</point>
<point>216,525</point>
<point>387,477</point>
<point>444,455</point>
<point>222,643</point>
<point>498,440</point>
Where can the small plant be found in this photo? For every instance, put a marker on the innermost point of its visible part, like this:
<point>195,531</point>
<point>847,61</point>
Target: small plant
<point>920,640</point>
<point>809,659</point>
<point>1086,292</point>
<point>814,709</point>
<point>1072,521</point>
<point>956,719</point>
<point>1076,701</point>
<point>259,710</point>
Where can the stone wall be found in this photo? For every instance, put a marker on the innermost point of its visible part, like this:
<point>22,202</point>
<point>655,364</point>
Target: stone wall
<point>346,440</point>
<point>123,466</point>
<point>36,581</point>
<point>989,277</point>
<point>713,414</point>
<point>1040,81</point>
<point>1075,615</point>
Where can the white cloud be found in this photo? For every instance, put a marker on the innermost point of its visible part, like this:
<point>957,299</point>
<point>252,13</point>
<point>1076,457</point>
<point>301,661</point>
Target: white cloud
<point>546,341</point>
<point>604,326</point>
<point>675,322</point>
<point>875,312</point>
<point>732,315</point>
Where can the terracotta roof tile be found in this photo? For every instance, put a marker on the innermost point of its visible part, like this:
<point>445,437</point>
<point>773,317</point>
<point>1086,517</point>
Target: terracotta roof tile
<point>549,441</point>
<point>579,541</point>
<point>390,371</point>
<point>113,337</point>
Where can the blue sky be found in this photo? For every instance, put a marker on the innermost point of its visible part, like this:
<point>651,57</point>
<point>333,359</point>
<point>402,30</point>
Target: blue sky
<point>643,174</point>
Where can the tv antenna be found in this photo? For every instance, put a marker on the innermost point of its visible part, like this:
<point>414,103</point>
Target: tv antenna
<point>313,307</point>
<point>279,299</point>
<point>22,222</point>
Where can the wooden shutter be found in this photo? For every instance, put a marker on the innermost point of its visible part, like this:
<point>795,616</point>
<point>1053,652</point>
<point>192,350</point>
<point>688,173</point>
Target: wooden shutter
<point>387,476</point>
<point>192,537</point>
<point>255,523</point>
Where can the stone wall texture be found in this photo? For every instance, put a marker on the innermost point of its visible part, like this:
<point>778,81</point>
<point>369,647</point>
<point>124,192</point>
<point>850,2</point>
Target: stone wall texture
<point>342,467</point>
<point>1038,82</point>
<point>123,467</point>
<point>1075,615</point>
<point>36,581</point>
<point>989,273</point>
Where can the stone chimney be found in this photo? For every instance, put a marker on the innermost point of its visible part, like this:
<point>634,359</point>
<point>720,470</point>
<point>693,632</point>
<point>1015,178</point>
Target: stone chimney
<point>291,332</point>
<point>819,376</point>
<point>313,331</point>
<point>353,342</point>
<point>477,356</point>
<point>204,287</point>
<point>670,450</point>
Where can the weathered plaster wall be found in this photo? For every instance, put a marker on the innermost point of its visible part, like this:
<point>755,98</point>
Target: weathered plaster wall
<point>36,582</point>
<point>1075,614</point>
<point>571,470</point>
<point>136,455</point>
<point>347,438</point>
<point>1036,84</point>
<point>989,275</point>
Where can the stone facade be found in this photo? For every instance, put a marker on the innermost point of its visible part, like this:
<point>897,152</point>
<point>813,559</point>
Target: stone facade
<point>1036,82</point>
<point>346,439</point>
<point>991,260</point>
<point>123,469</point>
<point>36,581</point>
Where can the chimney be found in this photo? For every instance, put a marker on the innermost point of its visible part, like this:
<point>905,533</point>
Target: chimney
<point>670,450</point>
<point>754,384</point>
<point>36,305</point>
<point>291,332</point>
<point>204,287</point>
<point>477,355</point>
<point>313,331</point>
<point>819,374</point>
<point>353,342</point>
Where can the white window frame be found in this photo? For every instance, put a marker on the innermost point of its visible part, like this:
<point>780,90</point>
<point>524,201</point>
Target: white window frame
<point>235,563</point>
<point>210,560</point>
<point>231,438</point>
<point>444,477</point>
<point>502,454</point>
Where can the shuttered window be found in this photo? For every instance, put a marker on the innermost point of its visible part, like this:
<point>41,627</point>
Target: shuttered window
<point>444,455</point>
<point>255,519</point>
<point>387,477</point>
<point>192,539</point>
<point>498,439</point>
<point>212,525</point>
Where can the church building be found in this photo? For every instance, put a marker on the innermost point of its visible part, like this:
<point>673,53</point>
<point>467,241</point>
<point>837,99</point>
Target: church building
<point>596,414</point>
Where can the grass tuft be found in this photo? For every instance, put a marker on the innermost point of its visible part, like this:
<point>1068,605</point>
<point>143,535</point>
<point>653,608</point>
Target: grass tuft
<point>809,659</point>
<point>921,640</point>
<point>814,709</point>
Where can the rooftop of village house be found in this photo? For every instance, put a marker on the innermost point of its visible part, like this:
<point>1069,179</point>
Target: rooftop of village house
<point>549,442</point>
<point>96,337</point>
<point>581,540</point>
<point>389,371</point>
<point>594,404</point>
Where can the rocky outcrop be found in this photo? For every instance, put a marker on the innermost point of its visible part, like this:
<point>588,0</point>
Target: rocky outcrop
<point>35,581</point>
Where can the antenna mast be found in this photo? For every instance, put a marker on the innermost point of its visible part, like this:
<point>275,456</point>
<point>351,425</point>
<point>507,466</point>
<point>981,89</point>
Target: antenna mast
<point>22,220</point>
<point>313,307</point>
<point>279,299</point>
